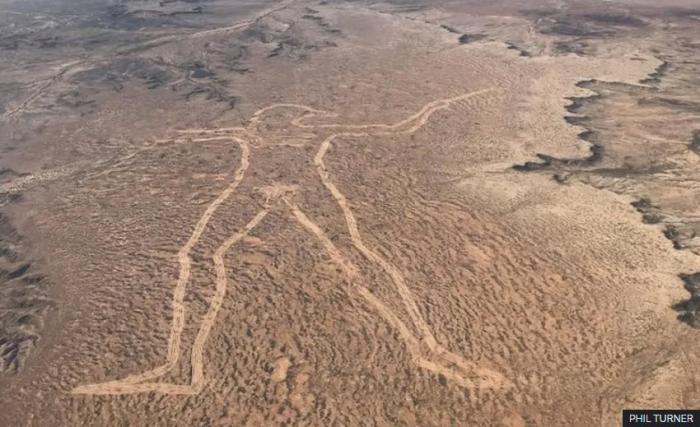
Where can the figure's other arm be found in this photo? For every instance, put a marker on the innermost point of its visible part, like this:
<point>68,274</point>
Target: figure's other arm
<point>406,126</point>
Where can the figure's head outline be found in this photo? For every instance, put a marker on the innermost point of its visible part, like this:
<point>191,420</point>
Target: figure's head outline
<point>304,112</point>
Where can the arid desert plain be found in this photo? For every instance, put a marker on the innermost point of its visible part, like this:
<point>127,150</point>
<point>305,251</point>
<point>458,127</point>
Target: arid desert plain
<point>348,213</point>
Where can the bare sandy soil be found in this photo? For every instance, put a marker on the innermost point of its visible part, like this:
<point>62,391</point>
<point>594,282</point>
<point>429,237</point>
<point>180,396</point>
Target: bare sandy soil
<point>348,213</point>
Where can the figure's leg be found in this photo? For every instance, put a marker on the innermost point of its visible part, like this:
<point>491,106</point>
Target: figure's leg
<point>313,228</point>
<point>185,262</point>
<point>426,351</point>
<point>197,355</point>
<point>221,285</point>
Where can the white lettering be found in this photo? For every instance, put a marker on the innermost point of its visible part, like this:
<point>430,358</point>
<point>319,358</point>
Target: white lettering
<point>673,418</point>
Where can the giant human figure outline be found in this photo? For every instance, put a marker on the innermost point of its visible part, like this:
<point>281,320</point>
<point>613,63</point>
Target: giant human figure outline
<point>423,348</point>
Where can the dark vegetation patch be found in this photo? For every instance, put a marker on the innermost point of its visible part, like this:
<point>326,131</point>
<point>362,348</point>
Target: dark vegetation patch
<point>11,173</point>
<point>672,103</point>
<point>199,71</point>
<point>589,135</point>
<point>464,38</point>
<point>450,29</point>
<point>33,35</point>
<point>321,22</point>
<point>577,46</point>
<point>76,101</point>
<point>405,6</point>
<point>262,34</point>
<point>627,170</point>
<point>677,233</point>
<point>121,70</point>
<point>23,300</point>
<point>164,2</point>
<point>121,16</point>
<point>469,38</point>
<point>181,7</point>
<point>291,44</point>
<point>518,49</point>
<point>695,142</point>
<point>9,94</point>
<point>658,74</point>
<point>615,19</point>
<point>578,102</point>
<point>651,214</point>
<point>211,92</point>
<point>577,121</point>
<point>32,31</point>
<point>233,57</point>
<point>634,170</point>
<point>603,87</point>
<point>689,309</point>
<point>290,47</point>
<point>673,234</point>
<point>682,13</point>
<point>194,79</point>
<point>583,26</point>
<point>194,10</point>
<point>7,198</point>
<point>551,162</point>
<point>535,14</point>
<point>41,42</point>
<point>548,162</point>
<point>573,26</point>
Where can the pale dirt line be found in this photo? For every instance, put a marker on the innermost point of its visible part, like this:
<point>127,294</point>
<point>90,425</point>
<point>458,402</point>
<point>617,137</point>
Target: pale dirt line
<point>38,92</point>
<point>205,33</point>
<point>23,182</point>
<point>255,118</point>
<point>427,111</point>
<point>352,273</point>
<point>218,299</point>
<point>116,162</point>
<point>121,387</point>
<point>211,138</point>
<point>135,383</point>
<point>243,24</point>
<point>233,27</point>
<point>208,131</point>
<point>486,377</point>
<point>349,269</point>
<point>185,262</point>
<point>197,357</point>
<point>392,271</point>
<point>422,115</point>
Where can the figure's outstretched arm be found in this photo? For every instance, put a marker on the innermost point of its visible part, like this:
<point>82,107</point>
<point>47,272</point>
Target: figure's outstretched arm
<point>406,126</point>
